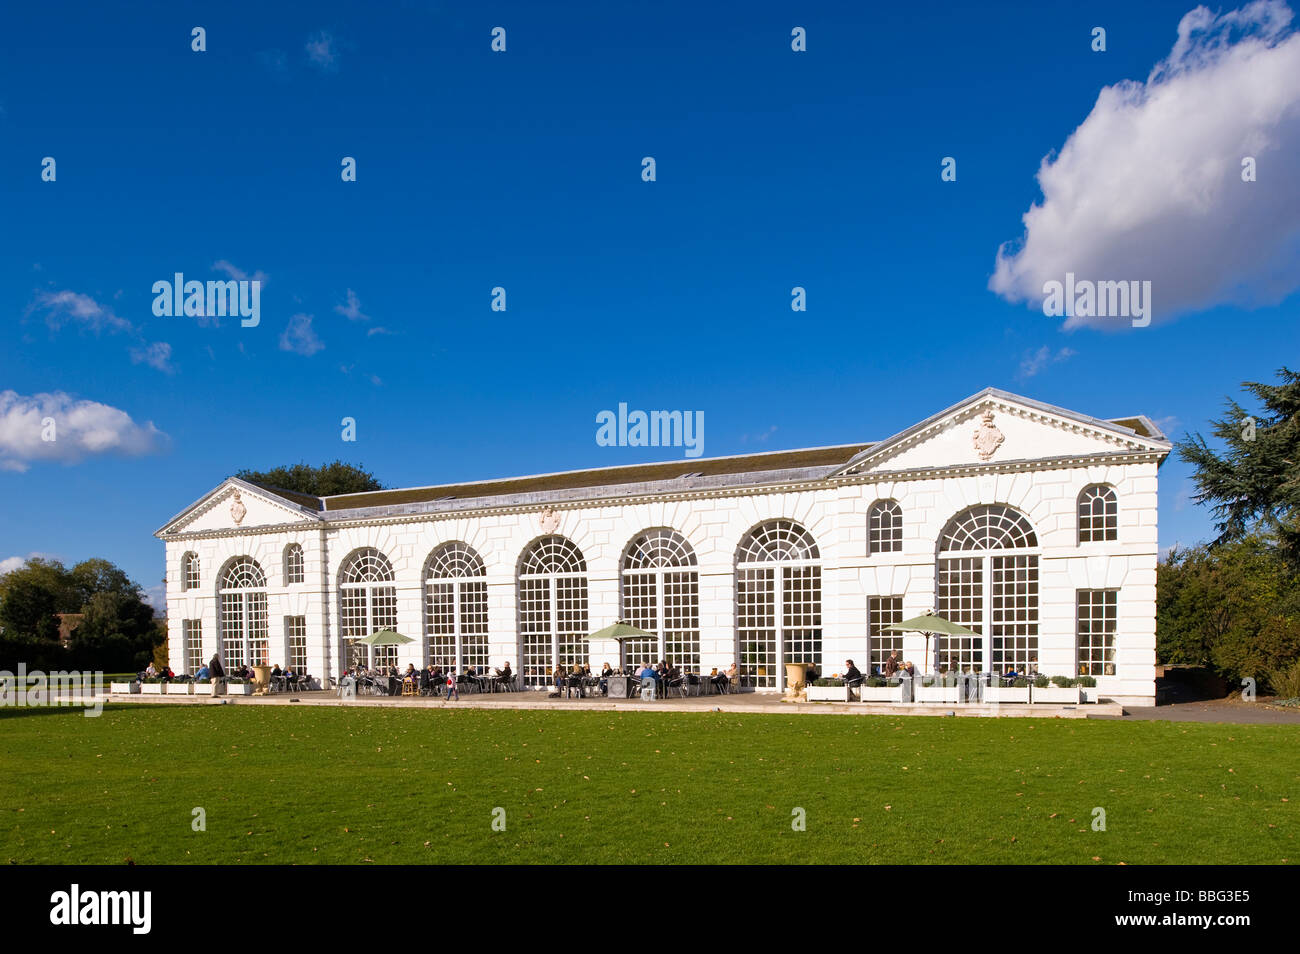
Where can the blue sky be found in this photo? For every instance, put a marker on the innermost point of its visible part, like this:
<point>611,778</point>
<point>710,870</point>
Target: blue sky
<point>522,169</point>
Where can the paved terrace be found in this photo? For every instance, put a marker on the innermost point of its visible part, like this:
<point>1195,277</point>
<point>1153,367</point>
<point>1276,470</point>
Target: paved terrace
<point>761,702</point>
<point>1219,710</point>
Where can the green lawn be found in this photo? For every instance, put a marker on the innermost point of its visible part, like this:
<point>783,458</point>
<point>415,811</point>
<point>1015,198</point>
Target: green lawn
<point>285,784</point>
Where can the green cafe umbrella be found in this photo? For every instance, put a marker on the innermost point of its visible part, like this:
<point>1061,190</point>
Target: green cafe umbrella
<point>928,623</point>
<point>385,637</point>
<point>621,630</point>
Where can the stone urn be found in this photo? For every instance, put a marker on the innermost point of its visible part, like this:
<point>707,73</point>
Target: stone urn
<point>795,676</point>
<point>261,680</point>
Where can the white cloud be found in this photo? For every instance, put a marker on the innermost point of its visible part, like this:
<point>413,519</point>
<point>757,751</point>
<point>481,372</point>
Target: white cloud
<point>80,429</point>
<point>238,274</point>
<point>299,336</point>
<point>1035,361</point>
<point>1149,187</point>
<point>18,562</point>
<point>157,355</point>
<point>62,308</point>
<point>69,307</point>
<point>321,51</point>
<point>352,310</point>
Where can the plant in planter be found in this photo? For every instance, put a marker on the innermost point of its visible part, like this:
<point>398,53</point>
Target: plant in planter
<point>204,687</point>
<point>879,689</point>
<point>828,690</point>
<point>1060,689</point>
<point>932,689</point>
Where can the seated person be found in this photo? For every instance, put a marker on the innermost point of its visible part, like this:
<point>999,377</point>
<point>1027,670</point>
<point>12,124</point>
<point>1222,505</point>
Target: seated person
<point>505,675</point>
<point>605,673</point>
<point>203,673</point>
<point>891,664</point>
<point>648,672</point>
<point>852,677</point>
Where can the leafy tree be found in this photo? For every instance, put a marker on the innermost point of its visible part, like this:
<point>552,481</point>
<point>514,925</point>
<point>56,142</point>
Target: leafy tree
<point>323,481</point>
<point>31,595</point>
<point>1234,608</point>
<point>1255,482</point>
<point>117,631</point>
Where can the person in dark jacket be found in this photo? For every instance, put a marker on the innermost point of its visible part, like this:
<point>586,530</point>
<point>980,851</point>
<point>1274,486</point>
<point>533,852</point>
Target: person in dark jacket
<point>852,677</point>
<point>214,667</point>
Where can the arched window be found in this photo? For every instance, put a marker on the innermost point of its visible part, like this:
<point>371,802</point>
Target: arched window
<point>367,604</point>
<point>190,571</point>
<point>1098,514</point>
<point>294,565</point>
<point>661,594</point>
<point>245,628</point>
<point>778,601</point>
<point>455,607</point>
<point>987,578</point>
<point>552,586</point>
<point>885,527</point>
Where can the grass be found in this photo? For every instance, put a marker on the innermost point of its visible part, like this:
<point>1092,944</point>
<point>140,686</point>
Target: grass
<point>356,785</point>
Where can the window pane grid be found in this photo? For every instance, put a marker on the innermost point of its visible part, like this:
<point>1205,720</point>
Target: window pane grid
<point>1013,615</point>
<point>295,632</point>
<point>244,626</point>
<point>756,624</point>
<point>995,527</point>
<point>294,565</point>
<point>192,637</point>
<point>1097,622</point>
<point>885,527</point>
<point>884,611</point>
<point>961,600</point>
<point>1098,514</point>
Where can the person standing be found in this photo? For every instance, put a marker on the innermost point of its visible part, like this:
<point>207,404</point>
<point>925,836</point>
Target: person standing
<point>215,670</point>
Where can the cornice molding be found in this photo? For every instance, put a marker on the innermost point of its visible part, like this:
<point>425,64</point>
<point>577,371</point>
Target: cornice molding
<point>1039,464</point>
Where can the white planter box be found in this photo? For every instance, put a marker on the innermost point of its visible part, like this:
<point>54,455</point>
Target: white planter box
<point>938,694</point>
<point>178,689</point>
<point>239,689</point>
<point>1001,694</point>
<point>827,694</point>
<point>1090,693</point>
<point>124,687</point>
<point>882,694</point>
<point>154,688</point>
<point>1053,694</point>
<point>206,689</point>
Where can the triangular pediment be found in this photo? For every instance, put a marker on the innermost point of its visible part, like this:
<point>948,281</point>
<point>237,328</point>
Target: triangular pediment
<point>994,427</point>
<point>237,505</point>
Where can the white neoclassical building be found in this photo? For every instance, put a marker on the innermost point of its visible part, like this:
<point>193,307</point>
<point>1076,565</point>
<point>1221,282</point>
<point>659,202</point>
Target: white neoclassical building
<point>1032,525</point>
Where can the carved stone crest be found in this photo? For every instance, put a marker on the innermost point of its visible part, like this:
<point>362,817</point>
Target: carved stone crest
<point>237,510</point>
<point>987,438</point>
<point>549,521</point>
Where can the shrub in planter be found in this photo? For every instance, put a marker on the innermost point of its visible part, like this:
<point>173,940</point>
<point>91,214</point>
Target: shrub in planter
<point>1041,682</point>
<point>828,682</point>
<point>1087,682</point>
<point>1020,683</point>
<point>876,682</point>
<point>1063,682</point>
